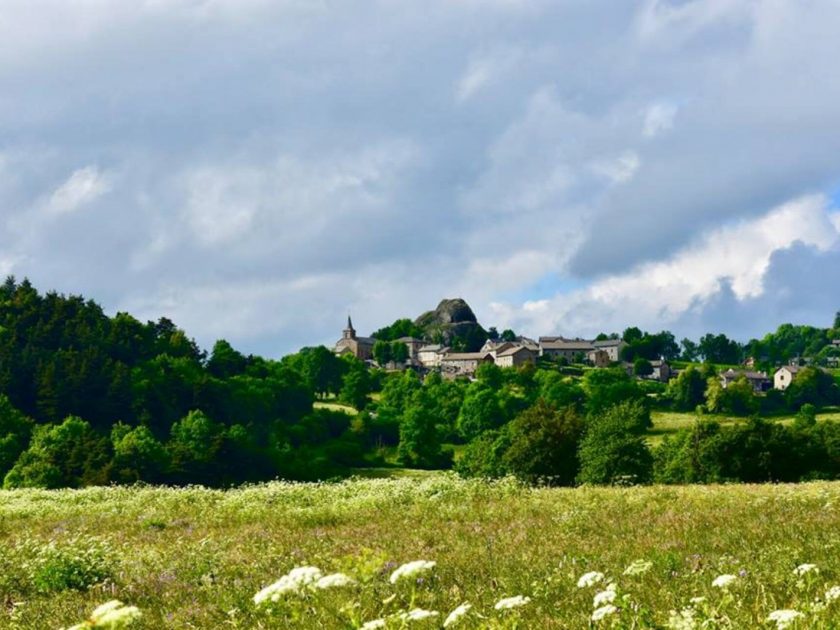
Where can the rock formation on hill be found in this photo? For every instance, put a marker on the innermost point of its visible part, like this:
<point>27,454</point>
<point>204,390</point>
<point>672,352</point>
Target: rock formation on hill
<point>453,323</point>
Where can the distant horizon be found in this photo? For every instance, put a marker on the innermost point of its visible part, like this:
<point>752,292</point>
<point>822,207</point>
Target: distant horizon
<point>207,344</point>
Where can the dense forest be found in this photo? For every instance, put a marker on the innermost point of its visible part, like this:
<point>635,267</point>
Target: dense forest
<point>86,398</point>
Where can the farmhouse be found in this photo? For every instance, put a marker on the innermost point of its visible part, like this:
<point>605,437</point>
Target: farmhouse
<point>464,362</point>
<point>430,355</point>
<point>612,347</point>
<point>515,356</point>
<point>569,349</point>
<point>784,376</point>
<point>759,380</point>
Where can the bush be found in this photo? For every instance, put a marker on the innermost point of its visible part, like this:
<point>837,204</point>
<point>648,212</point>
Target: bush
<point>613,449</point>
<point>75,564</point>
<point>484,456</point>
<point>543,442</point>
<point>70,454</point>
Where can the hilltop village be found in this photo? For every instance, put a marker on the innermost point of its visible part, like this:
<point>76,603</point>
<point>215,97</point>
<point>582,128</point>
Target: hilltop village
<point>420,355</point>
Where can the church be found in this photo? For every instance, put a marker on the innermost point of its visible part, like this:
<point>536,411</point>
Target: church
<point>359,347</point>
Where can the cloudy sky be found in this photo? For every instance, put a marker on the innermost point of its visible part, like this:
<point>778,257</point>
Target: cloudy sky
<point>255,169</point>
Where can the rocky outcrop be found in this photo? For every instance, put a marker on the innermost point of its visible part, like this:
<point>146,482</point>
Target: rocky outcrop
<point>452,322</point>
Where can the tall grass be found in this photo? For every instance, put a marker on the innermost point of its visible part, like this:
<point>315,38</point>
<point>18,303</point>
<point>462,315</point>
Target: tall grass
<point>195,558</point>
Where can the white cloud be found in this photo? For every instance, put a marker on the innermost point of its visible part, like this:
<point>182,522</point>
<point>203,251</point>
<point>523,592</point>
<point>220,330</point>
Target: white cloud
<point>288,202</point>
<point>486,68</point>
<point>81,188</point>
<point>658,294</point>
<point>392,156</point>
<point>659,118</point>
<point>618,170</point>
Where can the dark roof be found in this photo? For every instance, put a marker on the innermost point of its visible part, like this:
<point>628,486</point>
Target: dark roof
<point>579,345</point>
<point>793,369</point>
<point>466,356</point>
<point>514,350</point>
<point>435,347</point>
<point>751,376</point>
<point>607,343</point>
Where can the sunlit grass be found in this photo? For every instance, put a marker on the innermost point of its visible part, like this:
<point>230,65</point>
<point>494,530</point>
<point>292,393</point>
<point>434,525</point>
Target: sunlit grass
<point>195,558</point>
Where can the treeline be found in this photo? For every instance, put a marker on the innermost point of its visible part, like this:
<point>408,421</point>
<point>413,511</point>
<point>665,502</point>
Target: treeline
<point>90,399</point>
<point>549,428</point>
<point>788,343</point>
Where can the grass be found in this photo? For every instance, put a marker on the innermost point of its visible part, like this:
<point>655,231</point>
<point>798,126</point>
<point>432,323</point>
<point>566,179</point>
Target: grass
<point>334,406</point>
<point>194,558</point>
<point>669,422</point>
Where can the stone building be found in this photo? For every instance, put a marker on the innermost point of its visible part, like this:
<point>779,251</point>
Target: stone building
<point>359,347</point>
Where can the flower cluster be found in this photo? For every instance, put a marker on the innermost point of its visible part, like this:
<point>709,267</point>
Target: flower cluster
<point>110,615</point>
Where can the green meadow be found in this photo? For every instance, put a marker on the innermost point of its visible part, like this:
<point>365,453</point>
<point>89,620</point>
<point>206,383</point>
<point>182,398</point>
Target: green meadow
<point>641,557</point>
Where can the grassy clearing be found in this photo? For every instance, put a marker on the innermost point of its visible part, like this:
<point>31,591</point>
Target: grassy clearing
<point>334,406</point>
<point>669,422</point>
<point>194,558</point>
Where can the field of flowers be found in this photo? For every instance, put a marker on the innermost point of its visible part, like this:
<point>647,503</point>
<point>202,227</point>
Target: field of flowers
<point>421,553</point>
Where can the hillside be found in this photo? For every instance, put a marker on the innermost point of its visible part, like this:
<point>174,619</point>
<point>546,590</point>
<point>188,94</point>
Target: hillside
<point>196,558</point>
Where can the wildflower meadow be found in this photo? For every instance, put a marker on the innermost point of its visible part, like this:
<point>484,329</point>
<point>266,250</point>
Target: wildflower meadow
<point>437,552</point>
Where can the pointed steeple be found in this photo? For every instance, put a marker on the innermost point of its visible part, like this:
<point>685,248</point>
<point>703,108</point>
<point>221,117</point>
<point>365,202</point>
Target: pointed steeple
<point>349,332</point>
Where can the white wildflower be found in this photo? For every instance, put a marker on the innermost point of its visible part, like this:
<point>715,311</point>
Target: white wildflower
<point>411,569</point>
<point>604,597</point>
<point>118,618</point>
<point>784,618</point>
<point>456,615</point>
<point>723,581</point>
<point>697,600</point>
<point>418,614</point>
<point>802,569</point>
<point>111,615</point>
<point>637,567</point>
<point>334,580</point>
<point>832,594</point>
<point>682,620</point>
<point>376,624</point>
<point>604,611</point>
<point>511,602</point>
<point>590,579</point>
<point>105,608</point>
<point>292,582</point>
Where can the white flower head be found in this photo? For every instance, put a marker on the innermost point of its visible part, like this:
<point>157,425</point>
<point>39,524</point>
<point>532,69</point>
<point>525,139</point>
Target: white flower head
<point>456,615</point>
<point>604,597</point>
<point>723,581</point>
<point>292,582</point>
<point>802,569</point>
<point>410,569</point>
<point>682,620</point>
<point>784,618</point>
<point>418,614</point>
<point>104,609</point>
<point>604,611</point>
<point>697,600</point>
<point>376,624</point>
<point>637,567</point>
<point>334,580</point>
<point>832,594</point>
<point>512,602</point>
<point>590,579</point>
<point>111,615</point>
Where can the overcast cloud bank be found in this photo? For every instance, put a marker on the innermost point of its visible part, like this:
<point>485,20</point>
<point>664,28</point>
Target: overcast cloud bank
<point>256,169</point>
